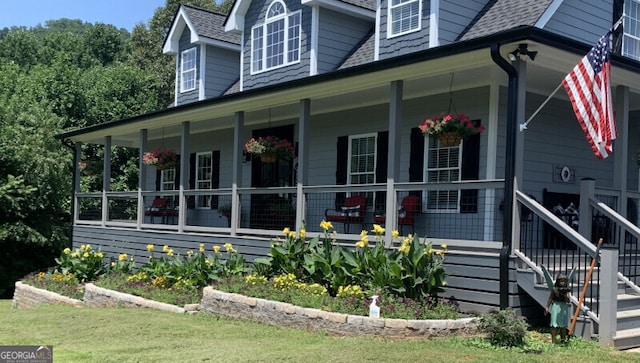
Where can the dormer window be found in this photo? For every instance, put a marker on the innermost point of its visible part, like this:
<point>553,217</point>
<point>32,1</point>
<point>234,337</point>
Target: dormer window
<point>404,16</point>
<point>276,43</point>
<point>188,70</point>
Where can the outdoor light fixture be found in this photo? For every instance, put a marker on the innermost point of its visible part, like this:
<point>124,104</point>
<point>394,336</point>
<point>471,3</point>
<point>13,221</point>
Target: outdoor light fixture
<point>522,50</point>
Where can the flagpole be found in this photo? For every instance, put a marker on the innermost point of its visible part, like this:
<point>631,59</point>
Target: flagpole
<point>523,126</point>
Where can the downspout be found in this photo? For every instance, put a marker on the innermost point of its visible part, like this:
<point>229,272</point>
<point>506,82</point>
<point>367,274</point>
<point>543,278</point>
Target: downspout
<point>509,171</point>
<point>71,145</point>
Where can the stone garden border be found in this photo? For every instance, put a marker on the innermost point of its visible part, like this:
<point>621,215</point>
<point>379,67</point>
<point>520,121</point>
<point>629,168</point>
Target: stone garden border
<point>259,310</point>
<point>285,314</point>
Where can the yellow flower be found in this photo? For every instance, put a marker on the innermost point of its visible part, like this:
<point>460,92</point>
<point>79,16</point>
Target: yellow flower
<point>444,246</point>
<point>100,254</point>
<point>286,231</point>
<point>190,253</point>
<point>303,233</point>
<point>395,233</point>
<point>88,247</point>
<point>216,249</point>
<point>82,247</point>
<point>326,225</point>
<point>201,247</point>
<point>430,251</point>
<point>170,252</point>
<point>150,247</point>
<point>377,229</point>
<point>404,249</point>
<point>440,253</point>
<point>360,244</point>
<point>66,251</point>
<point>122,257</point>
<point>165,248</point>
<point>292,234</point>
<point>363,233</point>
<point>228,246</point>
<point>113,264</point>
<point>85,255</point>
<point>74,254</point>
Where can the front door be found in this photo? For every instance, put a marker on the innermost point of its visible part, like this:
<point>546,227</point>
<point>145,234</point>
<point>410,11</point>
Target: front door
<point>273,211</point>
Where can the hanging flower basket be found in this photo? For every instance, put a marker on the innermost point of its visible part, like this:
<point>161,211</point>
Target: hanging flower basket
<point>90,166</point>
<point>449,139</point>
<point>161,158</point>
<point>270,148</point>
<point>269,158</point>
<point>450,129</point>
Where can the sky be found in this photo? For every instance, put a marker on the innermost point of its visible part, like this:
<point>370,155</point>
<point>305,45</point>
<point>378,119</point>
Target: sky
<point>120,13</point>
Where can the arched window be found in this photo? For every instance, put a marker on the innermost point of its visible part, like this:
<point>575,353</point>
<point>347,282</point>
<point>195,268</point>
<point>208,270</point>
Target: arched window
<point>276,43</point>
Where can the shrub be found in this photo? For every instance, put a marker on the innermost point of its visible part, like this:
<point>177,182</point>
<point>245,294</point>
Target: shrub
<point>504,328</point>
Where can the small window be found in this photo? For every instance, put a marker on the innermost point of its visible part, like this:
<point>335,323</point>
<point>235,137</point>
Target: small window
<point>188,70</point>
<point>404,16</point>
<point>203,178</point>
<point>362,161</point>
<point>276,43</point>
<point>442,165</point>
<point>168,181</point>
<point>631,28</point>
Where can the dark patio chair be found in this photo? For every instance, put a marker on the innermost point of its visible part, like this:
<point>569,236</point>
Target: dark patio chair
<point>351,212</point>
<point>156,209</point>
<point>409,206</point>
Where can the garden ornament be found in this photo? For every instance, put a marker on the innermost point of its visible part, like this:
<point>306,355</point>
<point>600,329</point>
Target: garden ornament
<point>558,303</point>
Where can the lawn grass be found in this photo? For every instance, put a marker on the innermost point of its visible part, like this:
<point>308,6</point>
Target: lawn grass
<point>145,335</point>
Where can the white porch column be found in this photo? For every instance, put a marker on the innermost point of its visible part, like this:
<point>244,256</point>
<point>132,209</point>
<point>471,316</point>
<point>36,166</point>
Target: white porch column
<point>76,180</point>
<point>393,158</point>
<point>142,177</point>
<point>184,173</point>
<point>303,158</point>
<point>621,147</point>
<point>106,179</point>
<point>521,67</point>
<point>608,295</point>
<point>236,179</point>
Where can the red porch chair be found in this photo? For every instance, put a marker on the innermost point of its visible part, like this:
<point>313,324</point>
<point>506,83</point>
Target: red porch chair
<point>156,209</point>
<point>410,205</point>
<point>351,212</point>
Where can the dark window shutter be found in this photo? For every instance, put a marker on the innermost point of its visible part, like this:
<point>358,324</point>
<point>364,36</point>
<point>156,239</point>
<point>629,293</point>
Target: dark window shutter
<point>382,150</point>
<point>470,171</point>
<point>416,156</point>
<point>341,167</point>
<point>158,179</point>
<point>416,160</point>
<point>191,200</point>
<point>176,180</point>
<point>215,176</point>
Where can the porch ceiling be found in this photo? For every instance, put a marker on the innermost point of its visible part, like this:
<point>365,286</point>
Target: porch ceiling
<point>355,88</point>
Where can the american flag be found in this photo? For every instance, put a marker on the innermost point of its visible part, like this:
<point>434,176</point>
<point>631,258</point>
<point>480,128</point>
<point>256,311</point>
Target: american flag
<point>589,88</point>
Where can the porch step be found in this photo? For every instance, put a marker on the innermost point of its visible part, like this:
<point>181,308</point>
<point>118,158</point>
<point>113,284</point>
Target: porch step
<point>628,319</point>
<point>627,339</point>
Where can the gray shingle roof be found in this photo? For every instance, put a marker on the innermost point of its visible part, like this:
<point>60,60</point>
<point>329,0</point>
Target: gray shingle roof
<point>363,53</point>
<point>210,24</point>
<point>365,4</point>
<point>505,14</point>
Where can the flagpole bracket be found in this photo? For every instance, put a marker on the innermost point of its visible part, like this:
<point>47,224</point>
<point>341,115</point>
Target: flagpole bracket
<point>523,126</point>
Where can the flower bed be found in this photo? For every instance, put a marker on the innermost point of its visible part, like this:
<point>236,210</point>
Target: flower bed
<point>288,315</point>
<point>26,296</point>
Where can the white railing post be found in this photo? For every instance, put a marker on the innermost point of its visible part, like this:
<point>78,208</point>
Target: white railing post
<point>608,302</point>
<point>587,191</point>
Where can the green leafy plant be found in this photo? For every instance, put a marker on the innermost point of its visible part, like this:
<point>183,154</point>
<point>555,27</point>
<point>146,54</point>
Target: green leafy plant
<point>85,263</point>
<point>417,269</point>
<point>63,284</point>
<point>286,256</point>
<point>504,328</point>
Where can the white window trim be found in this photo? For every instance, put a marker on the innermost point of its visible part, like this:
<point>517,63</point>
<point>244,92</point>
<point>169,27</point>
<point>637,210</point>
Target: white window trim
<point>626,35</point>
<point>198,181</point>
<point>285,52</point>
<point>190,70</point>
<point>425,177</point>
<point>163,182</point>
<point>390,33</point>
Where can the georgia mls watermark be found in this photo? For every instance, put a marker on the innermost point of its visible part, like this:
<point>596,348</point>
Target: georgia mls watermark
<point>26,354</point>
